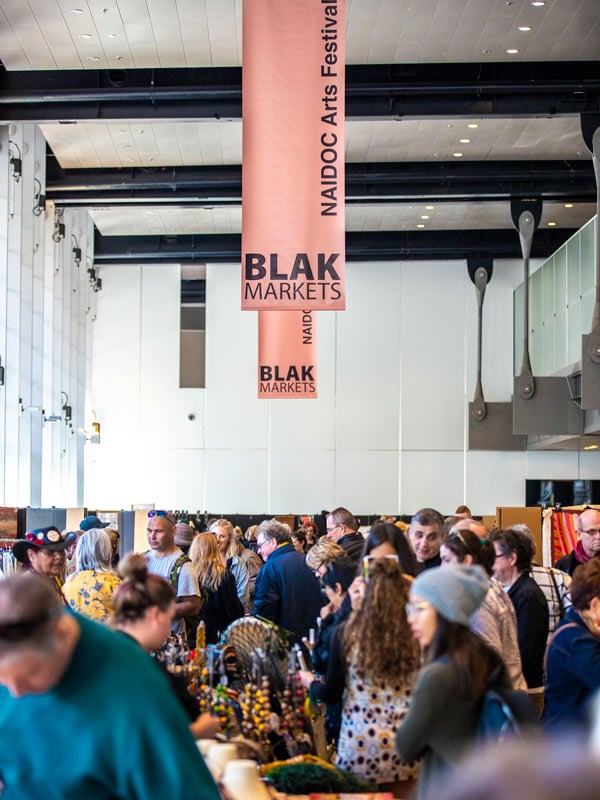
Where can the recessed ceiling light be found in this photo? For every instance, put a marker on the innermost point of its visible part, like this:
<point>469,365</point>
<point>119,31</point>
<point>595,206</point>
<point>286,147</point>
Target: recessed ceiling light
<point>118,58</point>
<point>112,35</point>
<point>126,146</point>
<point>85,36</point>
<point>486,52</point>
<point>464,141</point>
<point>420,225</point>
<point>93,58</point>
<point>552,224</point>
<point>424,216</point>
<point>76,11</point>
<point>429,208</point>
<point>436,155</point>
<point>524,28</point>
<point>457,155</point>
<point>512,51</point>
<point>538,2</point>
<point>450,125</point>
<point>591,447</point>
<point>568,205</point>
<point>130,160</point>
<point>472,125</point>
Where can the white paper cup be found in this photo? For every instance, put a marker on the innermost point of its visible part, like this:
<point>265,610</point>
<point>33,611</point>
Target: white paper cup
<point>218,756</point>
<point>242,781</point>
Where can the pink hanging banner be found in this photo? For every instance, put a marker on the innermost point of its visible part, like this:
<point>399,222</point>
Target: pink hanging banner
<point>287,354</point>
<point>293,221</point>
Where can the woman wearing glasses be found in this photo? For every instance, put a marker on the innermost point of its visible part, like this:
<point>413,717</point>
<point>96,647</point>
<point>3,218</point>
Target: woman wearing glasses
<point>495,620</point>
<point>441,723</point>
<point>372,664</point>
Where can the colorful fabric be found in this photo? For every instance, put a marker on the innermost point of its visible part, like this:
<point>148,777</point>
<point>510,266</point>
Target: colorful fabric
<point>90,593</point>
<point>564,533</point>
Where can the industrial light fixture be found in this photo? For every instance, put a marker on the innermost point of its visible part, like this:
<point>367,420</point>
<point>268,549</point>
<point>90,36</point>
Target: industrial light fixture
<point>95,282</point>
<point>66,408</point>
<point>15,161</point>
<point>59,227</point>
<point>76,250</point>
<point>39,198</point>
<point>95,435</point>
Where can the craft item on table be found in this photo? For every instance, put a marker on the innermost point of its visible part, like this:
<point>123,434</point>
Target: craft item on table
<point>351,796</point>
<point>199,657</point>
<point>293,723</point>
<point>256,710</point>
<point>305,774</point>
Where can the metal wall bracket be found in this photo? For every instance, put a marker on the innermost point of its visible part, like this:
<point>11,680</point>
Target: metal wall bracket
<point>490,424</point>
<point>495,430</point>
<point>551,411</point>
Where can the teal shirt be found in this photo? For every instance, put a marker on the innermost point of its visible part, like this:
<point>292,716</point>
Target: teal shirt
<point>110,730</point>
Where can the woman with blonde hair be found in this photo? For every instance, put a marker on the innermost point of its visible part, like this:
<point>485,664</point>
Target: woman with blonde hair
<point>322,553</point>
<point>243,563</point>
<point>372,665</point>
<point>217,585</point>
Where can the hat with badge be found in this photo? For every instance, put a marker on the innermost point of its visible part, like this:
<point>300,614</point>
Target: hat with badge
<point>49,538</point>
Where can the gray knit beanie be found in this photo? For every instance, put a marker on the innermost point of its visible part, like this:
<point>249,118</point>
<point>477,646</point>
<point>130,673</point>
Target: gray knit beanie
<point>455,591</point>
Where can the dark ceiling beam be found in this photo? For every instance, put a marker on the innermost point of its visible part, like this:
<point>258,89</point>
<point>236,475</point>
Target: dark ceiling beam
<point>360,246</point>
<point>374,91</point>
<point>365,183</point>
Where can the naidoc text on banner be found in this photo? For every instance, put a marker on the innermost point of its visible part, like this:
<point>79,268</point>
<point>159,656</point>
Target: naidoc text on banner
<point>293,218</point>
<point>287,365</point>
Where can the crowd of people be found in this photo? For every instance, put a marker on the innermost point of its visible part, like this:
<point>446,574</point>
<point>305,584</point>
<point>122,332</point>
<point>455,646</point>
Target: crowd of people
<point>407,627</point>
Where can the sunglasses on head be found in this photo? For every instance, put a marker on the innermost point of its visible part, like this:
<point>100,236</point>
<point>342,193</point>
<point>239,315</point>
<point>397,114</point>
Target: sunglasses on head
<point>162,514</point>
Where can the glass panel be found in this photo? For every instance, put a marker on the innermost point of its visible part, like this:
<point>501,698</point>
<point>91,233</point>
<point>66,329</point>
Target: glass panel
<point>535,322</point>
<point>562,295</point>
<point>588,267</point>
<point>548,320</point>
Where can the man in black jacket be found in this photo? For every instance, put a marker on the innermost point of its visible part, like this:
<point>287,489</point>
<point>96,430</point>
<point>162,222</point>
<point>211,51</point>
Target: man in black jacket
<point>287,591</point>
<point>341,529</point>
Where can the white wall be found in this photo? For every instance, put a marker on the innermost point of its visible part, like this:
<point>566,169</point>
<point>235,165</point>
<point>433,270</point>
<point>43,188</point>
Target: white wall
<point>386,435</point>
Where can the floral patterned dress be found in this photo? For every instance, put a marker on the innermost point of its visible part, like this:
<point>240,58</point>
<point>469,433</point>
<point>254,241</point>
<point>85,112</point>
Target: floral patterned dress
<point>90,593</point>
<point>371,714</point>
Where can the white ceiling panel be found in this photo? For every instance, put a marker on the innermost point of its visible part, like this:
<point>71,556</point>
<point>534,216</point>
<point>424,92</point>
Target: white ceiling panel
<point>173,33</point>
<point>164,220</point>
<point>100,144</point>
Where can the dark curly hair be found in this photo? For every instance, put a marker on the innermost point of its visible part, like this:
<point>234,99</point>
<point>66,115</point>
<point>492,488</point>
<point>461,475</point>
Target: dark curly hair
<point>377,637</point>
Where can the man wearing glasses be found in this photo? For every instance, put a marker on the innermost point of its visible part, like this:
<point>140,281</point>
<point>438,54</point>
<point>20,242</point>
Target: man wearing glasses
<point>287,592</point>
<point>167,560</point>
<point>341,529</point>
<point>588,546</point>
